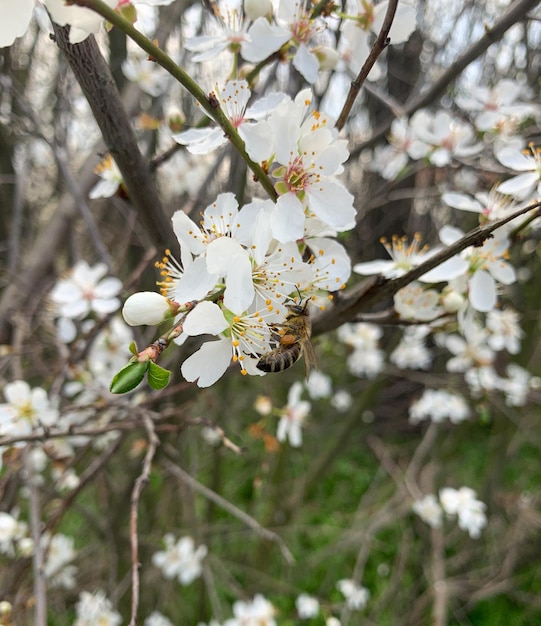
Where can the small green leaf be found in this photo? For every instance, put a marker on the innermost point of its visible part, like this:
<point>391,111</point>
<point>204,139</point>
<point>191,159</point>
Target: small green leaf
<point>133,348</point>
<point>129,377</point>
<point>158,377</point>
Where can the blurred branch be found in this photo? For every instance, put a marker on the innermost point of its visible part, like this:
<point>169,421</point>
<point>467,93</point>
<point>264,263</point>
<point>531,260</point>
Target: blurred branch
<point>227,506</point>
<point>514,14</point>
<point>141,481</point>
<point>96,81</point>
<point>379,46</point>
<point>38,556</point>
<point>440,589</point>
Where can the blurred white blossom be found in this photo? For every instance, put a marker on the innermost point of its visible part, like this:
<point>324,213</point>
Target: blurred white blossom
<point>180,559</point>
<point>95,609</point>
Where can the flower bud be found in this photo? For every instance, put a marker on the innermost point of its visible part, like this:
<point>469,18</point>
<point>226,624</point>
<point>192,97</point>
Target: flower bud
<point>5,608</point>
<point>452,302</point>
<point>25,547</point>
<point>145,308</point>
<point>327,57</point>
<point>175,119</point>
<point>263,405</point>
<point>257,8</point>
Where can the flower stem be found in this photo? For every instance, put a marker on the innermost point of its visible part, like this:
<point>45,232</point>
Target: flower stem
<point>165,61</point>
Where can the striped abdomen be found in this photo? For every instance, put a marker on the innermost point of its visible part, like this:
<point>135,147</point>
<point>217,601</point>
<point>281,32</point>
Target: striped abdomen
<point>281,358</point>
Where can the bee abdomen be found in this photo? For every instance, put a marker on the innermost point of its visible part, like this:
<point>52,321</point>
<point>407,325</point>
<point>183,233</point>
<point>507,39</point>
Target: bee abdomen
<point>280,359</point>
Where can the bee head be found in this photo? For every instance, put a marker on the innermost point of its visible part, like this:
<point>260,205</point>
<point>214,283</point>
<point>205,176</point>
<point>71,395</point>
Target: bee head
<point>298,309</point>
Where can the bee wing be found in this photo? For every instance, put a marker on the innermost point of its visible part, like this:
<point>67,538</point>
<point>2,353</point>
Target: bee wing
<point>310,358</point>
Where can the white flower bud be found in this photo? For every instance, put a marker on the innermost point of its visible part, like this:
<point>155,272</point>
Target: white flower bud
<point>327,57</point>
<point>5,608</point>
<point>263,405</point>
<point>25,547</point>
<point>145,308</point>
<point>257,8</point>
<point>452,302</point>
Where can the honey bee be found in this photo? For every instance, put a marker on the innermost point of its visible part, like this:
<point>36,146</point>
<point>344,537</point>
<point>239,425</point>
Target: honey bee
<point>292,340</point>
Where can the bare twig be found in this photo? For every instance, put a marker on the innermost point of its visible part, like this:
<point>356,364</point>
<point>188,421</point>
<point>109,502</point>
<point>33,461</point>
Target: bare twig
<point>379,46</point>
<point>440,589</point>
<point>141,481</point>
<point>38,557</point>
<point>227,506</point>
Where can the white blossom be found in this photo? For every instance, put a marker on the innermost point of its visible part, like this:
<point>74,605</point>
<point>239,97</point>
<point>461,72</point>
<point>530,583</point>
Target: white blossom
<point>293,416</point>
<point>307,606</point>
<point>429,510</point>
<point>26,410</point>
<point>157,619</point>
<point>356,596</point>
<point>437,405</point>
<point>527,161</point>
<point>95,609</point>
<point>464,504</point>
<point>85,290</point>
<point>257,612</point>
<point>180,559</point>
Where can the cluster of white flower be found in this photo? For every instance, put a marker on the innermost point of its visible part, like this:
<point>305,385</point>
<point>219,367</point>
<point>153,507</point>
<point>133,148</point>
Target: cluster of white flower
<point>82,292</point>
<point>12,533</point>
<point>26,411</point>
<point>244,266</point>
<point>461,503</point>
<point>366,359</point>
<point>437,405</point>
<point>356,595</point>
<point>308,41</point>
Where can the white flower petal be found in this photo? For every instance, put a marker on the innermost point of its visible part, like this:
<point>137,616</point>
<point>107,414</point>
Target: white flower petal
<point>195,283</point>
<point>209,363</point>
<point>239,288</point>
<point>307,64</point>
<point>15,19</point>
<point>482,294</point>
<point>263,39</point>
<point>288,222</point>
<point>519,186</point>
<point>206,318</point>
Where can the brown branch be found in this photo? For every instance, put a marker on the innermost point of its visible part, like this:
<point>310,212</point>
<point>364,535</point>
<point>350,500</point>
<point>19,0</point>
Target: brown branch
<point>38,555</point>
<point>96,81</point>
<point>141,481</point>
<point>229,507</point>
<point>378,288</point>
<point>379,46</point>
<point>516,12</point>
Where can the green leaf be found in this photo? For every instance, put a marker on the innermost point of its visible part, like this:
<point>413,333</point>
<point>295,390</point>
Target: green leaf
<point>158,377</point>
<point>133,348</point>
<point>129,377</point>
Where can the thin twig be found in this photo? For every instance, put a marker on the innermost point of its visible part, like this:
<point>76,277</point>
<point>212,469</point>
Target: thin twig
<point>227,506</point>
<point>38,558</point>
<point>440,588</point>
<point>141,481</point>
<point>382,41</point>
